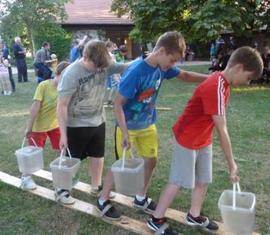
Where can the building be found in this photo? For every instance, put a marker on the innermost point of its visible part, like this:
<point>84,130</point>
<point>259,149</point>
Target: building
<point>94,18</point>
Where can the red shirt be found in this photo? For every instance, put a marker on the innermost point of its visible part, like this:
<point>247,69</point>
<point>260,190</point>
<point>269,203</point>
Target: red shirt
<point>194,128</point>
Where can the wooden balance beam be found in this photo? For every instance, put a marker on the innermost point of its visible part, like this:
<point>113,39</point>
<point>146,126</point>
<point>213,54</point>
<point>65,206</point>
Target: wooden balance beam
<point>173,214</point>
<point>126,223</point>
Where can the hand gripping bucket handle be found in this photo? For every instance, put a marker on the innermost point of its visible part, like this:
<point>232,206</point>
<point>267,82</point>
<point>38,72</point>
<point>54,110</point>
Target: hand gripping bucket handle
<point>235,185</point>
<point>23,142</point>
<point>124,157</point>
<point>61,157</point>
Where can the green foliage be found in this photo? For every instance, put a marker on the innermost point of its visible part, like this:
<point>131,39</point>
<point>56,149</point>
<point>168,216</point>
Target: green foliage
<point>27,16</point>
<point>199,20</point>
<point>58,38</point>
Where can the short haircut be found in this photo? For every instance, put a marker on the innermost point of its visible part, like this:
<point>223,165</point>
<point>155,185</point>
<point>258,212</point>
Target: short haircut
<point>250,58</point>
<point>96,51</point>
<point>44,44</point>
<point>60,67</point>
<point>123,48</point>
<point>173,42</point>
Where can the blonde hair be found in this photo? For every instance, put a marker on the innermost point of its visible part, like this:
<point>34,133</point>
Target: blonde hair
<point>250,58</point>
<point>60,67</point>
<point>173,42</point>
<point>96,51</point>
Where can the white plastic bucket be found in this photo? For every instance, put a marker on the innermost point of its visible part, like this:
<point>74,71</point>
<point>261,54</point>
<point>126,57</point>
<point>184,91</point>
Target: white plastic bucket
<point>238,210</point>
<point>29,158</point>
<point>128,175</point>
<point>64,171</point>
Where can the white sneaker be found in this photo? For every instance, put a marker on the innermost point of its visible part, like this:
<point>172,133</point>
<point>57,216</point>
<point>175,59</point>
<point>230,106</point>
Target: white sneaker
<point>64,197</point>
<point>27,183</point>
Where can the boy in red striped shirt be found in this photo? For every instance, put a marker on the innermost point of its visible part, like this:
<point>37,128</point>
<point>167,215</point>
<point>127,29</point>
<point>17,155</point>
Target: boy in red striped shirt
<point>191,165</point>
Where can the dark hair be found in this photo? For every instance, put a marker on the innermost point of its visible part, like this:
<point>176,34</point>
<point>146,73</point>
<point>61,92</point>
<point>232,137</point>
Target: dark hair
<point>60,67</point>
<point>250,58</point>
<point>96,51</point>
<point>123,48</point>
<point>44,44</point>
<point>173,42</point>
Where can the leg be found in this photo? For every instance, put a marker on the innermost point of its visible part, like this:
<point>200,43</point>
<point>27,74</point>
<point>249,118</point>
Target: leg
<point>95,170</point>
<point>149,166</point>
<point>165,199</point>
<point>203,178</point>
<point>24,71</point>
<point>107,186</point>
<point>37,138</point>
<point>47,72</point>
<point>197,199</point>
<point>18,64</point>
<point>54,136</point>
<point>11,79</point>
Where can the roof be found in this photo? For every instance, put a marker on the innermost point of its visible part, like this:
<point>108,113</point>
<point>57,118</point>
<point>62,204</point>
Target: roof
<point>93,12</point>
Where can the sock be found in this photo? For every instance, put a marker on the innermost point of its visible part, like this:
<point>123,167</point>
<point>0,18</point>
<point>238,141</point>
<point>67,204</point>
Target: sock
<point>101,202</point>
<point>140,198</point>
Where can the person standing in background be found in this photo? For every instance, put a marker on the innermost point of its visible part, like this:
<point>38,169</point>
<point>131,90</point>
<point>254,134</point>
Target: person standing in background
<point>19,54</point>
<point>6,57</point>
<point>76,50</point>
<point>41,62</point>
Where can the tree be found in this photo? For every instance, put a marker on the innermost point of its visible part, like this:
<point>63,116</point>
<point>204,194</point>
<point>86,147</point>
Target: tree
<point>199,20</point>
<point>28,16</point>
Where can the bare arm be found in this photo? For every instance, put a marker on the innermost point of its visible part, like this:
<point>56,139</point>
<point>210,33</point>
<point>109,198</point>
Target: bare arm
<point>50,61</point>
<point>62,107</point>
<point>35,107</point>
<point>191,76</point>
<point>83,41</point>
<point>120,117</point>
<point>225,143</point>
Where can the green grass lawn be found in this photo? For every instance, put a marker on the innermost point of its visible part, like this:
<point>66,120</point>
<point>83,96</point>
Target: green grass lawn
<point>249,125</point>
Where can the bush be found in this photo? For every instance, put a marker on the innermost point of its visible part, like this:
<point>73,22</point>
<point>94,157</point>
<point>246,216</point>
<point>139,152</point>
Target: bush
<point>59,39</point>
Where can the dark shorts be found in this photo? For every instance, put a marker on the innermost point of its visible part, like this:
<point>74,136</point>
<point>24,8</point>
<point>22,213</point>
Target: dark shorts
<point>86,141</point>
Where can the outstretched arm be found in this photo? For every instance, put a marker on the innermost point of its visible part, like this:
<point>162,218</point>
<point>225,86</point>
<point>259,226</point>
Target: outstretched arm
<point>191,76</point>
<point>35,107</point>
<point>225,143</point>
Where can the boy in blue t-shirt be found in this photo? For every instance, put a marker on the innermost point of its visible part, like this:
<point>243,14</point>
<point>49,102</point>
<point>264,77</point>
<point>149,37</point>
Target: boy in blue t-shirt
<point>136,113</point>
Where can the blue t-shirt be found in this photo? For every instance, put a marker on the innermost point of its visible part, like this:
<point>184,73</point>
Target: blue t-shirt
<point>139,84</point>
<point>74,54</point>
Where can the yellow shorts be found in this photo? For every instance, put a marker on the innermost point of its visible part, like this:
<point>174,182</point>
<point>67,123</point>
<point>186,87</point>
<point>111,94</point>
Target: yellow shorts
<point>144,142</point>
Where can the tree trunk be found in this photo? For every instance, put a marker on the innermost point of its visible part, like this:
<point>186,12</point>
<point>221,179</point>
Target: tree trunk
<point>31,40</point>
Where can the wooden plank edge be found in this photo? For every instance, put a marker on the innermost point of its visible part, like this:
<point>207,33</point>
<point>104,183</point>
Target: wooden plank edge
<point>126,223</point>
<point>173,214</point>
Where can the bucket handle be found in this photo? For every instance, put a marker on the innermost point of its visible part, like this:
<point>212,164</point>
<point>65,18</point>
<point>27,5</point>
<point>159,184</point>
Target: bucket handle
<point>124,157</point>
<point>23,142</point>
<point>235,185</point>
<point>61,157</point>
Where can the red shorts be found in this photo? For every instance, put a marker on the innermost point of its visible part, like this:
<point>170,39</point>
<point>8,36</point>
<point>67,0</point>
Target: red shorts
<point>40,138</point>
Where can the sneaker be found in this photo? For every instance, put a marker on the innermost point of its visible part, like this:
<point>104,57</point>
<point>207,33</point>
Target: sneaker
<point>27,183</point>
<point>64,197</point>
<point>160,226</point>
<point>201,221</point>
<point>148,205</point>
<point>108,211</point>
